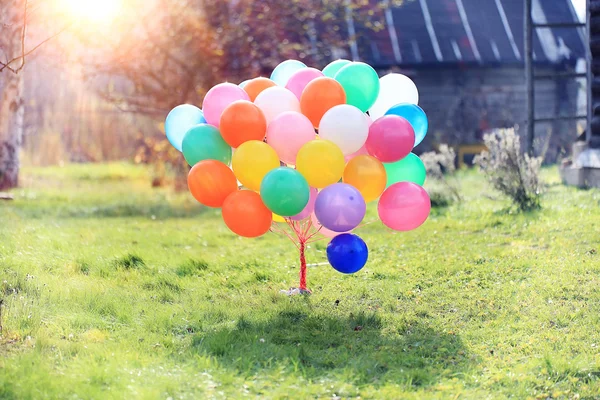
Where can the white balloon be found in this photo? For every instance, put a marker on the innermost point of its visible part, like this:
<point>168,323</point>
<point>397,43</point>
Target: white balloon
<point>276,100</point>
<point>346,126</point>
<point>394,89</point>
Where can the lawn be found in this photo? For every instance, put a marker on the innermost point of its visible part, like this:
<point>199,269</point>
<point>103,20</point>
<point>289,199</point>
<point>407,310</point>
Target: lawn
<point>115,290</point>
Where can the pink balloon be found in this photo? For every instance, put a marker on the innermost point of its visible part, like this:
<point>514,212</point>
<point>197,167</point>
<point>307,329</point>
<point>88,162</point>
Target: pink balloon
<point>404,206</point>
<point>361,152</point>
<point>300,79</point>
<point>218,98</point>
<point>276,100</point>
<point>391,138</point>
<point>287,133</point>
<point>310,207</point>
<point>324,231</point>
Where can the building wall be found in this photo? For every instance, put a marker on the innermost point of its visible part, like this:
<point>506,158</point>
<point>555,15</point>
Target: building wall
<point>462,104</point>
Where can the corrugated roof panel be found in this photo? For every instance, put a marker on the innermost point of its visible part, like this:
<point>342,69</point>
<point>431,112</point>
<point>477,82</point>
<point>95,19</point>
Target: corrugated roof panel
<point>411,28</point>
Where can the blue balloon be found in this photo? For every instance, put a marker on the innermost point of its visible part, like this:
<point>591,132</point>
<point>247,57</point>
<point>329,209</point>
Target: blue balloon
<point>347,253</point>
<point>244,83</point>
<point>283,72</point>
<point>180,120</point>
<point>415,115</point>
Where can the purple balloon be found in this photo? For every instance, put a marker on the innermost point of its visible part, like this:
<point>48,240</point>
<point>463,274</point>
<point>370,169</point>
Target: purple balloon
<point>340,207</point>
<point>310,207</point>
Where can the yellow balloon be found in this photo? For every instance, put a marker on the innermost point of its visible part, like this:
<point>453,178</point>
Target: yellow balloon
<point>252,161</point>
<point>278,218</point>
<point>367,174</point>
<point>321,162</point>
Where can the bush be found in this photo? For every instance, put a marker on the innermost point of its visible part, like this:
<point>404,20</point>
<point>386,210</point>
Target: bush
<point>509,170</point>
<point>442,185</point>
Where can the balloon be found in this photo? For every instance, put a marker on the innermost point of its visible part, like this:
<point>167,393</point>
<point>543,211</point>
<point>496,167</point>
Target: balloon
<point>242,121</point>
<point>287,133</point>
<point>367,174</point>
<point>340,207</point>
<point>243,84</point>
<point>322,230</point>
<point>346,126</point>
<point>361,84</point>
<point>204,142</point>
<point>283,72</point>
<point>347,253</point>
<point>415,115</point>
<point>333,67</point>
<point>321,162</point>
<point>300,79</point>
<point>285,191</point>
<point>310,206</point>
<point>246,215</point>
<point>257,85</point>
<point>252,161</point>
<point>210,182</point>
<point>278,218</point>
<point>219,97</point>
<point>276,100</point>
<point>180,120</point>
<point>361,152</point>
<point>395,89</point>
<point>319,96</point>
<point>409,169</point>
<point>391,138</point>
<point>404,206</point>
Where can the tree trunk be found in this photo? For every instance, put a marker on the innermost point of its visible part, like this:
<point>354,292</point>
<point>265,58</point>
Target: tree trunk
<point>12,112</point>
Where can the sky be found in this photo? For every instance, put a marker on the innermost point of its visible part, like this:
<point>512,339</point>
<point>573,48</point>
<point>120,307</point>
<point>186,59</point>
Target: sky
<point>580,8</point>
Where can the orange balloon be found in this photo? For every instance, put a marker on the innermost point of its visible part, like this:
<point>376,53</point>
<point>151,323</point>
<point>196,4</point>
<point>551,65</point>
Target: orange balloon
<point>246,215</point>
<point>319,96</point>
<point>242,121</point>
<point>211,181</point>
<point>367,174</point>
<point>257,85</point>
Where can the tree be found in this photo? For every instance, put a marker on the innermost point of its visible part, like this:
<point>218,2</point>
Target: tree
<point>14,20</point>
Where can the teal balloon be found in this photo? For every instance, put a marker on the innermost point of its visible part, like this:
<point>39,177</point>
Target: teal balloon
<point>333,67</point>
<point>204,142</point>
<point>361,84</point>
<point>180,120</point>
<point>285,191</point>
<point>413,114</point>
<point>284,71</point>
<point>409,169</point>
<point>244,83</point>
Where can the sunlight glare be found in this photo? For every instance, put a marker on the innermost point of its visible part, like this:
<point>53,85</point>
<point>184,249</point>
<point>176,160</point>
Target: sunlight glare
<point>93,10</point>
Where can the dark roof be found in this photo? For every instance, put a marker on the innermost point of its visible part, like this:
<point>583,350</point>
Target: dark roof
<point>480,32</point>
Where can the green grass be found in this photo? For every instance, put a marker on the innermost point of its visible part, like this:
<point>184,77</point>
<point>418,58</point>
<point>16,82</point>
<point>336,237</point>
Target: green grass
<point>116,290</point>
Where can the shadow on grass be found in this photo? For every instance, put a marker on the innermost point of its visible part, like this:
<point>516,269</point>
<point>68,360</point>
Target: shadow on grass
<point>353,348</point>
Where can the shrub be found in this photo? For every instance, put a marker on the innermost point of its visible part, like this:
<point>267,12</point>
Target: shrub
<point>509,170</point>
<point>442,185</point>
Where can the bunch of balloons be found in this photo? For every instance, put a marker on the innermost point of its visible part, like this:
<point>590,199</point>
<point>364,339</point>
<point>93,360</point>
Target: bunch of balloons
<point>310,148</point>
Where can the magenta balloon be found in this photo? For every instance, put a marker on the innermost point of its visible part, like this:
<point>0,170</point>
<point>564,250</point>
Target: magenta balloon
<point>300,79</point>
<point>391,138</point>
<point>404,206</point>
<point>310,207</point>
<point>218,98</point>
<point>322,230</point>
<point>340,207</point>
<point>287,133</point>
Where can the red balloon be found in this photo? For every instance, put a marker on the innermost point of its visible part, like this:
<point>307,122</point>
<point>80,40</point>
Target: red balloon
<point>246,215</point>
<point>210,182</point>
<point>391,138</point>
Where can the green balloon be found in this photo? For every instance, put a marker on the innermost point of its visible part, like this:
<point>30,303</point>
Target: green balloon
<point>285,191</point>
<point>204,142</point>
<point>361,84</point>
<point>333,67</point>
<point>409,169</point>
